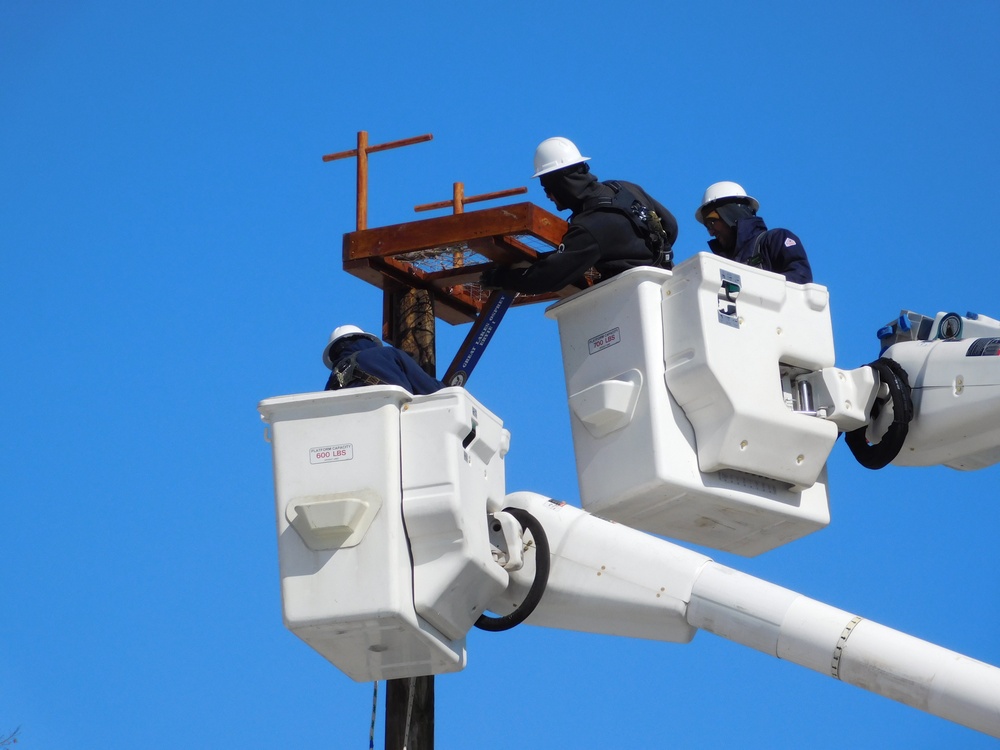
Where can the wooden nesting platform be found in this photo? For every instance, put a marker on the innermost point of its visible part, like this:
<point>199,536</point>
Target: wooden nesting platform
<point>445,255</point>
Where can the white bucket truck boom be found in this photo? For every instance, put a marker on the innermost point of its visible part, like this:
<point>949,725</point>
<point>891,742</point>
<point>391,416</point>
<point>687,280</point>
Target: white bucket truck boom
<point>711,392</point>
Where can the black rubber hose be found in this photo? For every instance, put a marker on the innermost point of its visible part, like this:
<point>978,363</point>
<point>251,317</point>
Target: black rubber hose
<point>883,452</point>
<point>528,523</point>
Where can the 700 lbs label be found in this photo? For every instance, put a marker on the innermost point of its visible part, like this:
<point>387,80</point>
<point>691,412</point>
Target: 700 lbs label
<point>604,340</point>
<point>328,453</point>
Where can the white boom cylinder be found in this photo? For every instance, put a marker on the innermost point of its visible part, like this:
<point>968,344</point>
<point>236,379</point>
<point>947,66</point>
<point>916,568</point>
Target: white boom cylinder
<point>609,578</point>
<point>790,626</point>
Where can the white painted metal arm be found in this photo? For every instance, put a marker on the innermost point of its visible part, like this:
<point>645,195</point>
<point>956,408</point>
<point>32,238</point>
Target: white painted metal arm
<point>793,627</point>
<point>604,577</point>
<point>609,578</point>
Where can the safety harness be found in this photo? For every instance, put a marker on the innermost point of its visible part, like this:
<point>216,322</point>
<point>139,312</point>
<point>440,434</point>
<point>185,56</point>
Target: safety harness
<point>757,259</point>
<point>645,220</point>
<point>346,374</point>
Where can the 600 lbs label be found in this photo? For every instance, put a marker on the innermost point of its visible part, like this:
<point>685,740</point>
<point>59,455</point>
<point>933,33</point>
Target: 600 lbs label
<point>328,453</point>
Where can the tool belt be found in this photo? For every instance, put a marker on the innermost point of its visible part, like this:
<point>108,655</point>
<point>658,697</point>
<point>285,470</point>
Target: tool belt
<point>347,374</point>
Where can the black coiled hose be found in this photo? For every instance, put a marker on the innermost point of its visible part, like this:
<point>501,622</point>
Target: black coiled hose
<point>881,453</point>
<point>528,523</point>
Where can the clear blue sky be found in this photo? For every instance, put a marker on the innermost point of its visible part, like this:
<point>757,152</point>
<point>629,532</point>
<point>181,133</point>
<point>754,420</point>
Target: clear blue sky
<point>170,244</point>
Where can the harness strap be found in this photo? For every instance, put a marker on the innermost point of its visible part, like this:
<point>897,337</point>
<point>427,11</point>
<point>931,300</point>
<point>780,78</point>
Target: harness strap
<point>757,260</point>
<point>643,218</point>
<point>347,374</point>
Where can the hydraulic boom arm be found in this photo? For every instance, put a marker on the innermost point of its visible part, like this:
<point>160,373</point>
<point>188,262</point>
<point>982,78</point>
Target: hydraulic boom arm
<point>609,578</point>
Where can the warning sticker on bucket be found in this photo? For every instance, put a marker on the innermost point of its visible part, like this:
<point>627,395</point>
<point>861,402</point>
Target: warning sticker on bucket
<point>328,453</point>
<point>604,340</point>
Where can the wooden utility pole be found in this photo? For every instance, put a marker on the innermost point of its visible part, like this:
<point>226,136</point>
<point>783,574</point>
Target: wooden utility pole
<point>408,323</point>
<point>409,714</point>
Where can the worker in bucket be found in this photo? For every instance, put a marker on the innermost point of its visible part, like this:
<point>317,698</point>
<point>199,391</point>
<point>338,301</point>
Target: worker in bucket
<point>730,216</point>
<point>614,226</point>
<point>357,358</point>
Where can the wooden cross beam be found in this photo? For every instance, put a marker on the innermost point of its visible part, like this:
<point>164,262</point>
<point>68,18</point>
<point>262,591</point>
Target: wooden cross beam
<point>459,200</point>
<point>361,152</point>
<point>457,204</point>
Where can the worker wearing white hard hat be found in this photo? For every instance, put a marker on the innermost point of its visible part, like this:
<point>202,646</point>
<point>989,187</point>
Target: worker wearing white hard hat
<point>556,153</point>
<point>614,226</point>
<point>357,358</point>
<point>730,216</point>
<point>340,333</point>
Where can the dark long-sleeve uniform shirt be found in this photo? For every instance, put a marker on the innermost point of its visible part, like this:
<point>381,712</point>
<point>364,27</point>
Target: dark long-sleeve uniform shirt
<point>601,238</point>
<point>777,250</point>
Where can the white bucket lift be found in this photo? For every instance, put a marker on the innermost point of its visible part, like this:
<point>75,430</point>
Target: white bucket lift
<point>366,480</point>
<point>685,420</point>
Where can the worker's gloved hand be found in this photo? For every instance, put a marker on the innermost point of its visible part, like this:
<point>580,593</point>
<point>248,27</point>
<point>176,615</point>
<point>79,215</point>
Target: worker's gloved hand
<point>489,279</point>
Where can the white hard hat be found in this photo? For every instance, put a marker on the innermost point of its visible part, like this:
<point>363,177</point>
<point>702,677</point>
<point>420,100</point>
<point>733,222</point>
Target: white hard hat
<point>556,153</point>
<point>342,332</point>
<point>722,191</point>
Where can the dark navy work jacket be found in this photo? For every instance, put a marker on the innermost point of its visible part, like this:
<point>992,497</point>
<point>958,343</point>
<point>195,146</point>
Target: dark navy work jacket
<point>390,365</point>
<point>775,250</point>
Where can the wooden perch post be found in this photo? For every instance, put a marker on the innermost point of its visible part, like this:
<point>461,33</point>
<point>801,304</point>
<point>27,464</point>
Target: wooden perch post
<point>459,200</point>
<point>361,152</point>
